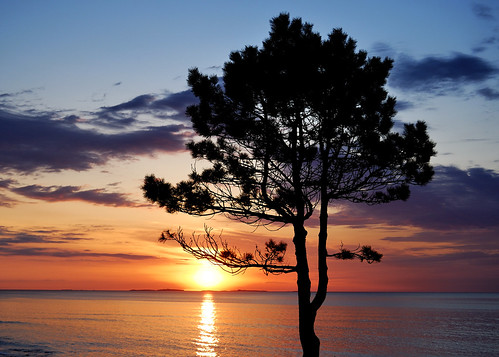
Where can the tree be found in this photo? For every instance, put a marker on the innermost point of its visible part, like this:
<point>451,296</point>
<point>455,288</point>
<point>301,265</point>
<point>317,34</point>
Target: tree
<point>296,124</point>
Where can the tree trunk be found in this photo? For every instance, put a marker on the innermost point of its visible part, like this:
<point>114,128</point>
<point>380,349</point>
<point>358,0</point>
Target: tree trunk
<point>320,297</point>
<point>306,313</point>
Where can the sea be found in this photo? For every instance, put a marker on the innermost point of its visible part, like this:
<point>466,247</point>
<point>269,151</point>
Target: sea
<point>244,323</point>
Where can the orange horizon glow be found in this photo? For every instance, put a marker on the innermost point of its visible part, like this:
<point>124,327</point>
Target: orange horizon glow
<point>80,246</point>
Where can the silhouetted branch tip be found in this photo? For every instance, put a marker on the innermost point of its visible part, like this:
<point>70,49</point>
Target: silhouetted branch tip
<point>364,253</point>
<point>370,255</point>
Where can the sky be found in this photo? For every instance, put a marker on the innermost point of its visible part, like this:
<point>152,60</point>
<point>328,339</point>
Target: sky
<point>92,99</point>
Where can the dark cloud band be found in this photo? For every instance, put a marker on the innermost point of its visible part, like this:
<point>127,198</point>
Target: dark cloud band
<point>439,73</point>
<point>455,199</point>
<point>31,143</point>
<point>74,193</point>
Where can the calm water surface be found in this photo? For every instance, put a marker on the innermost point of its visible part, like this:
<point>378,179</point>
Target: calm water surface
<point>85,323</point>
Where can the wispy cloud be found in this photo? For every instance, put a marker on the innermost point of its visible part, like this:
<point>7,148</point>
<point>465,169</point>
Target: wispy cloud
<point>167,106</point>
<point>6,201</point>
<point>49,242</point>
<point>6,183</point>
<point>61,253</point>
<point>47,235</point>
<point>462,239</point>
<point>483,11</point>
<point>486,44</point>
<point>54,193</point>
<point>175,101</point>
<point>74,193</point>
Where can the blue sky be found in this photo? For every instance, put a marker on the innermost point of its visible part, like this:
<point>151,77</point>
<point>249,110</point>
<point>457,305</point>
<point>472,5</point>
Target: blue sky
<point>83,55</point>
<point>92,96</point>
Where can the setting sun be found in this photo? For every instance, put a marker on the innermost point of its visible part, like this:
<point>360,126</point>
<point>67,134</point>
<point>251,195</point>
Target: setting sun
<point>208,276</point>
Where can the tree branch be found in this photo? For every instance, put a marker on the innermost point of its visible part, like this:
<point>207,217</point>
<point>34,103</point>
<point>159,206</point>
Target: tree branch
<point>230,259</point>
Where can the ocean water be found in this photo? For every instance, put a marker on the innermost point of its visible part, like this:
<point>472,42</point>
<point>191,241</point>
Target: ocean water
<point>216,324</point>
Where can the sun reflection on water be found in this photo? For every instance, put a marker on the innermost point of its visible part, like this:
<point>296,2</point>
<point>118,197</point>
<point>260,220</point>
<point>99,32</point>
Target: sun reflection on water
<point>207,340</point>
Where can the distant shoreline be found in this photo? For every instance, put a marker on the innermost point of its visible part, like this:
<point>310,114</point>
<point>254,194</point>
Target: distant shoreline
<point>254,291</point>
<point>211,291</point>
<point>155,290</point>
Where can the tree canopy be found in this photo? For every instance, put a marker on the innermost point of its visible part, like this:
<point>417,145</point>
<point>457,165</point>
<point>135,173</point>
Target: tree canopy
<point>284,115</point>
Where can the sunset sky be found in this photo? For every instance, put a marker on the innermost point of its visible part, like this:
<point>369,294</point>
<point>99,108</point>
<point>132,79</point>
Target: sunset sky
<point>92,99</point>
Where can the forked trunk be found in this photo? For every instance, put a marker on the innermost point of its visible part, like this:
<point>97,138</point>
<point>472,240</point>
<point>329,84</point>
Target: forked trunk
<point>309,341</point>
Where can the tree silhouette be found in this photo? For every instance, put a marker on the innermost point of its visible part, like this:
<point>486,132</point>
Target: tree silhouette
<point>296,124</point>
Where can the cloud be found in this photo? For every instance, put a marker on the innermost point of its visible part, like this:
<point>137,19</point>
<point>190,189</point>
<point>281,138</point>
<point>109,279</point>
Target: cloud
<point>39,142</point>
<point>60,253</point>
<point>489,93</point>
<point>15,94</point>
<point>436,74</point>
<point>6,183</point>
<point>483,11</point>
<point>461,239</point>
<point>383,49</point>
<point>74,193</point>
<point>32,140</point>
<point>140,102</point>
<point>176,101</point>
<point>6,201</point>
<point>98,196</point>
<point>455,199</point>
<point>403,105</point>
<point>474,257</point>
<point>9,237</point>
<point>26,243</point>
<point>169,106</point>
<point>485,44</point>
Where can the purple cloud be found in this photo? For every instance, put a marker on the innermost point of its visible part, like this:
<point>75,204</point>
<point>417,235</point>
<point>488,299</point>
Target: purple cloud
<point>32,140</point>
<point>6,201</point>
<point>403,105</point>
<point>31,143</point>
<point>140,102</point>
<point>485,44</point>
<point>60,253</point>
<point>489,93</point>
<point>471,257</point>
<point>463,240</point>
<point>74,193</point>
<point>435,74</point>
<point>9,237</point>
<point>176,101</point>
<point>455,199</point>
<point>6,183</point>
<point>172,106</point>
<point>483,11</point>
<point>19,243</point>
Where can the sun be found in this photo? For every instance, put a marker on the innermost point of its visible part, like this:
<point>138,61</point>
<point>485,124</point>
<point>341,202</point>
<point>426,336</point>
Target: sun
<point>208,276</point>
